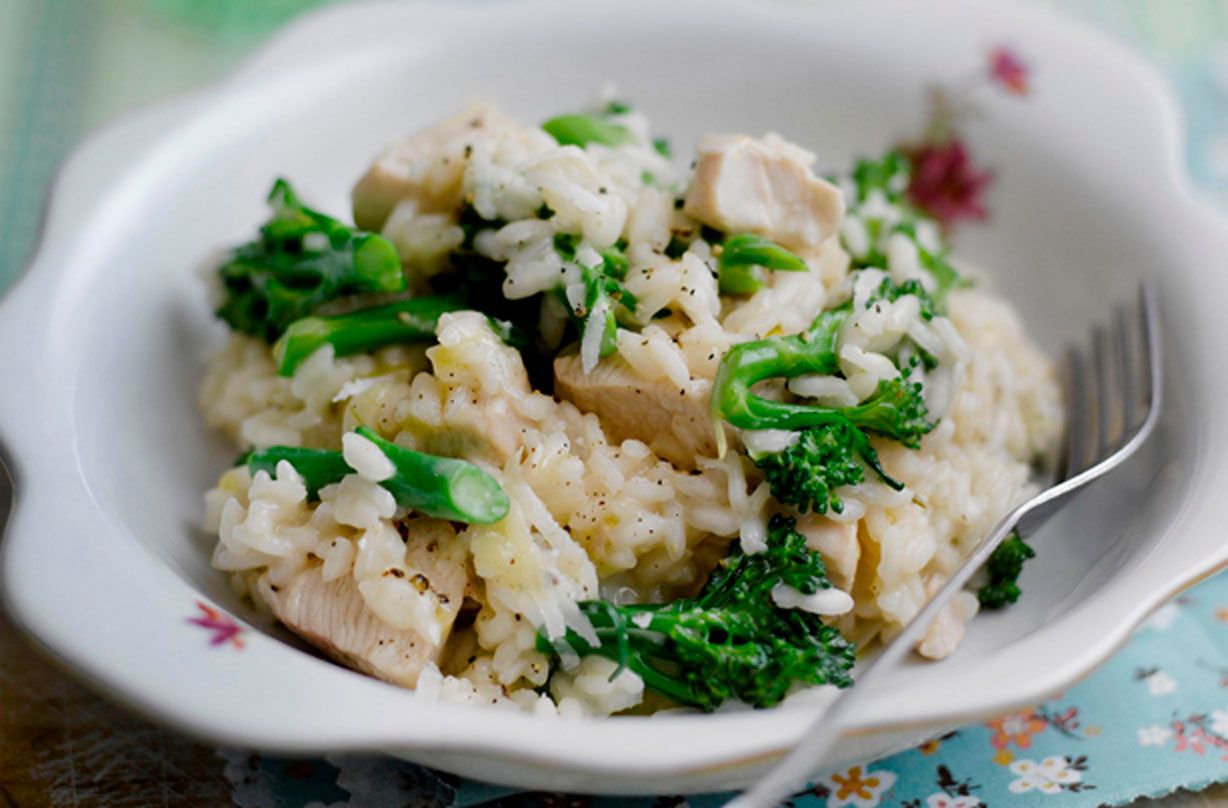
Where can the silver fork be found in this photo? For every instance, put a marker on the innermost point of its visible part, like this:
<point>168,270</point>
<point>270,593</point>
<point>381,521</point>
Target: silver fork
<point>1113,403</point>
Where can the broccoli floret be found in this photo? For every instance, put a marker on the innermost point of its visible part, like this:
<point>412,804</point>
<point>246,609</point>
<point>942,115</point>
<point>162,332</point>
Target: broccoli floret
<point>1004,566</point>
<point>833,447</point>
<point>731,640</point>
<point>301,260</point>
<point>896,410</point>
<point>823,458</point>
<point>890,291</point>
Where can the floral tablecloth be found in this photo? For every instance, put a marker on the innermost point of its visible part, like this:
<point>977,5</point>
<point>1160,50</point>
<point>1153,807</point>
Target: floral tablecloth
<point>1153,719</point>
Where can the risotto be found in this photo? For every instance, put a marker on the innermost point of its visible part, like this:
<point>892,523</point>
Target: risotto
<point>559,427</point>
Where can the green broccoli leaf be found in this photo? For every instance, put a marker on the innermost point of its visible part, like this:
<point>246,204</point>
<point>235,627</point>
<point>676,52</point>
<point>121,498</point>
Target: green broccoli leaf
<point>301,260</point>
<point>1004,566</point>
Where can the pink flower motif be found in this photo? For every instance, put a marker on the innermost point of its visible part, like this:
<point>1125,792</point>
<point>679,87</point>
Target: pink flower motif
<point>946,184</point>
<point>1195,741</point>
<point>224,629</point>
<point>1008,71</point>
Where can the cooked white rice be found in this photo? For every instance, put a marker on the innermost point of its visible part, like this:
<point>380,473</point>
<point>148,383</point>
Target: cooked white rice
<point>591,515</point>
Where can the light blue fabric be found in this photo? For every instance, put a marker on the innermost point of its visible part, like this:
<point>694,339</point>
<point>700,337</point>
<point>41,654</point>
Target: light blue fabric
<point>1153,719</point>
<point>1202,86</point>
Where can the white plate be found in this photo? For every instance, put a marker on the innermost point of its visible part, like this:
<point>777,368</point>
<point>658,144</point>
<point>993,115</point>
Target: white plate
<point>101,347</point>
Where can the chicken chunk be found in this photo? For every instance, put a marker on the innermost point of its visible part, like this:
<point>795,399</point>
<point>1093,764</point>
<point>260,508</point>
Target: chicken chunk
<point>335,617</point>
<point>428,168</point>
<point>764,186</point>
<point>674,421</point>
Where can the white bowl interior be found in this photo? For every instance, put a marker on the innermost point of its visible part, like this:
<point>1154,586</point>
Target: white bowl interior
<point>1052,230</point>
<point>1069,236</point>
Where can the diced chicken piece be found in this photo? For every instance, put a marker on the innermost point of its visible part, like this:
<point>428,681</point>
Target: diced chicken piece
<point>945,633</point>
<point>837,542</point>
<point>427,168</point>
<point>334,617</point>
<point>674,421</point>
<point>765,186</point>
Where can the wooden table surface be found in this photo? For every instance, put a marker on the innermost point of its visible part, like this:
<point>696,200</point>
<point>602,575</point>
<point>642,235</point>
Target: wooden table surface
<point>61,745</point>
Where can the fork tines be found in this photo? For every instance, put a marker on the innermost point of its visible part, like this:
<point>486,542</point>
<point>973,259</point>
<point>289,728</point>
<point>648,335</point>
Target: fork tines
<point>1112,385</point>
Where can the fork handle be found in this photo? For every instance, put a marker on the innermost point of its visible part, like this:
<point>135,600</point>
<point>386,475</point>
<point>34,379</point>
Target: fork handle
<point>791,773</point>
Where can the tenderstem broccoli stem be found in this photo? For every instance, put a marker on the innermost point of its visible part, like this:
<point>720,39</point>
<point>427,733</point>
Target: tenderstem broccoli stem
<point>443,487</point>
<point>748,363</point>
<point>896,410</point>
<point>361,331</point>
<point>617,631</point>
<point>744,256</point>
<point>580,130</point>
<point>317,467</point>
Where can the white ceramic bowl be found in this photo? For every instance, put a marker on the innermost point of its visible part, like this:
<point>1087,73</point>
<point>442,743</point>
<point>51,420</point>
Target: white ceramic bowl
<point>100,349</point>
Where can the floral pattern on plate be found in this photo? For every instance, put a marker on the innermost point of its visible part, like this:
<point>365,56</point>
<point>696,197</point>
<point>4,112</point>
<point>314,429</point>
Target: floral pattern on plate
<point>222,628</point>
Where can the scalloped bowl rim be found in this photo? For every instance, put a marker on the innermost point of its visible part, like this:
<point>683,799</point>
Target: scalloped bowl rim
<point>38,456</point>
